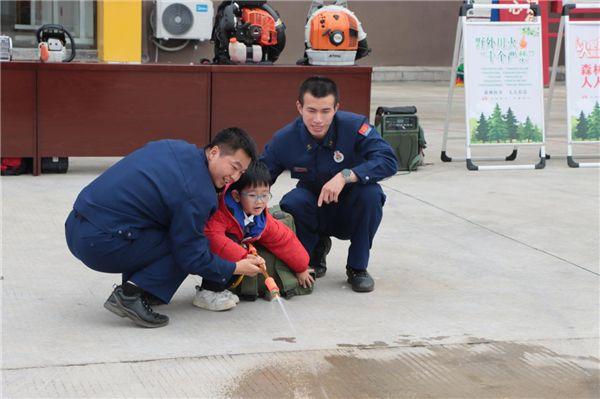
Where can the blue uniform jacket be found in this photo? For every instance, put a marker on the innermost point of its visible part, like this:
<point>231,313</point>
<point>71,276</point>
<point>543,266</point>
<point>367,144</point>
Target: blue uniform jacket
<point>351,142</point>
<point>164,185</point>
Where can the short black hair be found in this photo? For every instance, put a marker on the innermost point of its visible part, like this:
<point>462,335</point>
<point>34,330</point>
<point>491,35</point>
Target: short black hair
<point>232,139</point>
<point>319,87</point>
<point>256,175</point>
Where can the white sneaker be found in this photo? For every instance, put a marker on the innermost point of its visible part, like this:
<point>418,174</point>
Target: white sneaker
<point>233,296</point>
<point>215,301</point>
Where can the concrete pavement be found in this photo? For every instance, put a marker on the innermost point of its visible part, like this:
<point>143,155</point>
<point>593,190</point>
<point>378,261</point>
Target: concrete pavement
<point>487,285</point>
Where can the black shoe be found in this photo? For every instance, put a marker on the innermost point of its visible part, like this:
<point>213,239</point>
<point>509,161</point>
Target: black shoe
<point>153,300</point>
<point>318,261</point>
<point>360,280</point>
<point>136,308</point>
<point>320,271</point>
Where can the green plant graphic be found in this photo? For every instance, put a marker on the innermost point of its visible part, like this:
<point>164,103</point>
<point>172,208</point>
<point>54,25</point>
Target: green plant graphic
<point>586,127</point>
<point>527,31</point>
<point>502,127</point>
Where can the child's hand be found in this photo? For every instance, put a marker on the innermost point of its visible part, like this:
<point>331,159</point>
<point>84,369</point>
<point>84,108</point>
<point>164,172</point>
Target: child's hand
<point>305,279</point>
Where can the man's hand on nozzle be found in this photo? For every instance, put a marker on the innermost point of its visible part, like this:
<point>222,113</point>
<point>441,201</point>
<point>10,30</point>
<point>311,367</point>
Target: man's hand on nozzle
<point>261,260</point>
<point>249,266</point>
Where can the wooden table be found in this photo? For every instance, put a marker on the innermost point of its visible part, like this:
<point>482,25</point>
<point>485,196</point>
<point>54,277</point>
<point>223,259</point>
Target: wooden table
<point>18,110</point>
<point>262,100</point>
<point>92,110</point>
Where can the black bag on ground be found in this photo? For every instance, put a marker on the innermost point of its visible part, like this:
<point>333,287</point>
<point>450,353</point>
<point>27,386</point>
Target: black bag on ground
<point>55,165</point>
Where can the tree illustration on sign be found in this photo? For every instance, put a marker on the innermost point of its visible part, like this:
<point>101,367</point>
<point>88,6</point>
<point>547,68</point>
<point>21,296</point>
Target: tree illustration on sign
<point>497,125</point>
<point>504,128</point>
<point>528,132</point>
<point>587,127</point>
<point>482,130</point>
<point>511,124</point>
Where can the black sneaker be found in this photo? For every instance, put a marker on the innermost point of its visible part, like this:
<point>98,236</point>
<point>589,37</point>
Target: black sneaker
<point>318,261</point>
<point>153,300</point>
<point>135,307</point>
<point>360,280</point>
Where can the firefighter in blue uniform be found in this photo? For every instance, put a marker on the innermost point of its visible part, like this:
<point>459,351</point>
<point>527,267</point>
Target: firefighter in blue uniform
<point>144,218</point>
<point>338,158</point>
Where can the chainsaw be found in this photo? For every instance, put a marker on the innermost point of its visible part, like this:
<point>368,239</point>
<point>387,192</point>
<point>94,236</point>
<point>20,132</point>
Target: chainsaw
<point>52,43</point>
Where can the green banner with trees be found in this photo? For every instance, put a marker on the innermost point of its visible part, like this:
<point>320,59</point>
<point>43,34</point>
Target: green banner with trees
<point>582,59</point>
<point>503,88</point>
<point>502,127</point>
<point>587,127</point>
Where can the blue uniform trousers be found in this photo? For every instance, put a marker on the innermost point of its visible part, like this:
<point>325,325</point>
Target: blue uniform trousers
<point>355,217</point>
<point>146,261</point>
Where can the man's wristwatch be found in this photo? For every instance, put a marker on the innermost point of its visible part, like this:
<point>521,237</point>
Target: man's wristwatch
<point>347,175</point>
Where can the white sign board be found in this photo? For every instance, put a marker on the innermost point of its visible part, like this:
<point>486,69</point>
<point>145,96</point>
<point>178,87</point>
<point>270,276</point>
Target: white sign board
<point>504,92</point>
<point>582,55</point>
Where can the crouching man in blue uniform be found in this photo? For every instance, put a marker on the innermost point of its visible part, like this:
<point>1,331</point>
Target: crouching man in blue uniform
<point>144,218</point>
<point>338,158</point>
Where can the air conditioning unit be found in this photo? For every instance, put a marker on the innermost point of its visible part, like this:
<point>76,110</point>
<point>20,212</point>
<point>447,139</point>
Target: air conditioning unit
<point>184,19</point>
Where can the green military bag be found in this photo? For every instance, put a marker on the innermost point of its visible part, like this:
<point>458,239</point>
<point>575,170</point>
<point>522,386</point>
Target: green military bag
<point>251,288</point>
<point>399,126</point>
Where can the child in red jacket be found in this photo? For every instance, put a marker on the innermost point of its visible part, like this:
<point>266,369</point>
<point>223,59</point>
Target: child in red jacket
<point>242,218</point>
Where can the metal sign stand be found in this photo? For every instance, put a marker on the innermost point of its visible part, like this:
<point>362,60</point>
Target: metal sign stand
<point>564,21</point>
<point>458,46</point>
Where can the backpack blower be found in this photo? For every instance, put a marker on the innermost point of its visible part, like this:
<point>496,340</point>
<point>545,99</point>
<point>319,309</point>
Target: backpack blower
<point>333,35</point>
<point>247,32</point>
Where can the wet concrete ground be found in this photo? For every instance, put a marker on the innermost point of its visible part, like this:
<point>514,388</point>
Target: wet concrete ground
<point>480,370</point>
<point>487,285</point>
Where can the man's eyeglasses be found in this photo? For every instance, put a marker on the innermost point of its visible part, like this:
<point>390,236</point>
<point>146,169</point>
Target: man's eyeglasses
<point>255,197</point>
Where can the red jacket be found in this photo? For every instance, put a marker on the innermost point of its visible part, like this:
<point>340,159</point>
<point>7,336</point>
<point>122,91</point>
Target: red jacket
<point>225,234</point>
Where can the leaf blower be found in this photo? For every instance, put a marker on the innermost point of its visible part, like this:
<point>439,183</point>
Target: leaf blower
<point>333,35</point>
<point>247,32</point>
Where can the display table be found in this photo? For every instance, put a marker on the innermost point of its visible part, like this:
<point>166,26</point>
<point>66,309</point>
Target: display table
<point>262,100</point>
<point>18,110</point>
<point>92,110</point>
<point>96,110</point>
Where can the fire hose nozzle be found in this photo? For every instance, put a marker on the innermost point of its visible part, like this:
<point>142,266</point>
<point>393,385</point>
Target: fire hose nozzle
<point>269,281</point>
<point>272,286</point>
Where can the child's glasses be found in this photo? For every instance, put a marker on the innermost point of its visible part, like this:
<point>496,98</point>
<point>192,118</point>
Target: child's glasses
<point>255,197</point>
